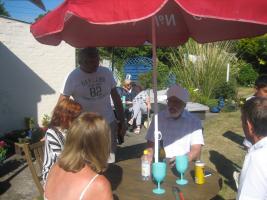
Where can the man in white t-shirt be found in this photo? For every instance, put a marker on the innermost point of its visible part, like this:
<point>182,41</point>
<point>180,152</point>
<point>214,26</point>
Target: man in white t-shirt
<point>181,131</point>
<point>253,178</point>
<point>91,86</point>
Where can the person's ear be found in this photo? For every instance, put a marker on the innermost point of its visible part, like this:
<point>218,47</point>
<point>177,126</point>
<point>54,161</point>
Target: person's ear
<point>250,127</point>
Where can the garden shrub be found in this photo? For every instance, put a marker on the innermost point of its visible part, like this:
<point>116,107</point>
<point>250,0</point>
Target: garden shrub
<point>211,103</point>
<point>162,77</point>
<point>246,75</point>
<point>227,90</point>
<point>230,106</point>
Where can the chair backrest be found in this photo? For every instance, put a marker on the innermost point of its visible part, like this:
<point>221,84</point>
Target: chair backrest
<point>38,150</point>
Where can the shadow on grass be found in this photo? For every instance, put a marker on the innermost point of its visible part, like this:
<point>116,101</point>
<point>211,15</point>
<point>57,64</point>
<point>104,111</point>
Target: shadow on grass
<point>234,137</point>
<point>225,168</point>
<point>130,152</point>
<point>217,197</point>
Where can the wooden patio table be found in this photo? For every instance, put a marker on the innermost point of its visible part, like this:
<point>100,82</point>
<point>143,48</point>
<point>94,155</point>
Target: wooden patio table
<point>125,178</point>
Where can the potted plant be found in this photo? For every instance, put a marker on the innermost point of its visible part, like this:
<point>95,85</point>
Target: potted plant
<point>45,122</point>
<point>30,124</point>
<point>3,151</point>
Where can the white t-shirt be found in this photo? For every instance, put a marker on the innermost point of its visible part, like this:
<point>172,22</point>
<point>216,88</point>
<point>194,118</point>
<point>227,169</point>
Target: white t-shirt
<point>253,178</point>
<point>91,90</point>
<point>177,134</point>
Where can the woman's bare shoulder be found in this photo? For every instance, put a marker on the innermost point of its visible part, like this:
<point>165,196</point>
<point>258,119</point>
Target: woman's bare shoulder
<point>102,183</point>
<point>101,189</point>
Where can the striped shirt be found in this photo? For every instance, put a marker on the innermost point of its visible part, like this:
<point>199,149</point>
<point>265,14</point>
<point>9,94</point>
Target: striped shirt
<point>54,143</point>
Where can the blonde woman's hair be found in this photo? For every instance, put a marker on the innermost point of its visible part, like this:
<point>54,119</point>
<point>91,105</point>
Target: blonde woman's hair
<point>126,82</point>
<point>87,143</point>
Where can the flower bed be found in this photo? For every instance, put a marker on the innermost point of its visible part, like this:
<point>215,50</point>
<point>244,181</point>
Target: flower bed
<point>22,135</point>
<point>3,151</point>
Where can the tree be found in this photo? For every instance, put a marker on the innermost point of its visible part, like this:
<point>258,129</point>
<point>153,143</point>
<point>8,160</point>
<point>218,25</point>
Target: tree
<point>122,54</point>
<point>3,10</point>
<point>253,51</point>
<point>41,15</point>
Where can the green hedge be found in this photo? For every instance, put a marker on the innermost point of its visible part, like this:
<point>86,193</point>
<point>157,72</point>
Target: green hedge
<point>246,75</point>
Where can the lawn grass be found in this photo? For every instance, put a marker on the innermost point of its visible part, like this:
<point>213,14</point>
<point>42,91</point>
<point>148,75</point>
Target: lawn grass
<point>245,92</point>
<point>223,150</point>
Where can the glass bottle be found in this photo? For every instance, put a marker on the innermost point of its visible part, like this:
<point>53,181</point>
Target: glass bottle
<point>162,154</point>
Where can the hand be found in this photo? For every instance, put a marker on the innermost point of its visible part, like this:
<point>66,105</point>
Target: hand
<point>172,162</point>
<point>121,132</point>
<point>129,103</point>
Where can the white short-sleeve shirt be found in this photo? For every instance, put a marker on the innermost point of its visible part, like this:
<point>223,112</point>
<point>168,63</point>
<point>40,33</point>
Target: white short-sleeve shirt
<point>253,178</point>
<point>178,134</point>
<point>91,90</point>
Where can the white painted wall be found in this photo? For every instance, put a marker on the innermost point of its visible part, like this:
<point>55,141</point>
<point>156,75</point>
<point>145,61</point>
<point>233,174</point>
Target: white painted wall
<point>31,74</point>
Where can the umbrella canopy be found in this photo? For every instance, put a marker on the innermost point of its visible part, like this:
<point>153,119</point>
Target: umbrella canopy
<point>84,23</point>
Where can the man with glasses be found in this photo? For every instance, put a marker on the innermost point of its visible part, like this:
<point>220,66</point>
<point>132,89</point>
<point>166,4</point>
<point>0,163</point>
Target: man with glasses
<point>181,131</point>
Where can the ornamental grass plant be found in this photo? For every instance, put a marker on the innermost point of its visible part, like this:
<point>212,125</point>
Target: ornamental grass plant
<point>203,66</point>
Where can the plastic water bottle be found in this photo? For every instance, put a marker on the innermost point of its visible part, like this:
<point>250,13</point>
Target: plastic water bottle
<point>145,166</point>
<point>123,100</point>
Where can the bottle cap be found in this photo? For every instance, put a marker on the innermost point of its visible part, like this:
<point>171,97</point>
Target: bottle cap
<point>199,163</point>
<point>146,152</point>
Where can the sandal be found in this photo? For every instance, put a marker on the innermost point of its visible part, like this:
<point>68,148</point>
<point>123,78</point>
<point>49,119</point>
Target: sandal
<point>137,131</point>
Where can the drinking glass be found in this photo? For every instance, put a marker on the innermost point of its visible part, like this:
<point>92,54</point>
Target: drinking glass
<point>181,163</point>
<point>159,173</point>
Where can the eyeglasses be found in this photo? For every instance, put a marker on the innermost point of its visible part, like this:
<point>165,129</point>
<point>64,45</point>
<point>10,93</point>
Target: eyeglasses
<point>174,101</point>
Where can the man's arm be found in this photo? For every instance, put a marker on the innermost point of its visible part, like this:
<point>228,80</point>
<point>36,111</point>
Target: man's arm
<point>119,111</point>
<point>117,104</point>
<point>195,152</point>
<point>197,141</point>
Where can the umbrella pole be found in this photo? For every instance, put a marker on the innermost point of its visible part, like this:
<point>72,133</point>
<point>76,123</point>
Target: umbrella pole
<point>154,59</point>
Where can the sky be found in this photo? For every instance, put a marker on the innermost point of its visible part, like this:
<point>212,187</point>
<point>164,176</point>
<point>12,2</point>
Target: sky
<point>26,11</point>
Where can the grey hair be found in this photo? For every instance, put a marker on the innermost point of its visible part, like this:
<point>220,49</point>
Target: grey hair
<point>255,111</point>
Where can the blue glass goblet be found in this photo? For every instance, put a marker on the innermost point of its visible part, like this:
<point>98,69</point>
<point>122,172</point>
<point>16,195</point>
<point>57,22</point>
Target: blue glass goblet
<point>159,173</point>
<point>181,163</point>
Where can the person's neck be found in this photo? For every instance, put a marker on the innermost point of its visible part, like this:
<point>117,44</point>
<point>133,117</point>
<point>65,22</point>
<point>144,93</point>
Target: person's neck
<point>176,117</point>
<point>85,71</point>
<point>257,138</point>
